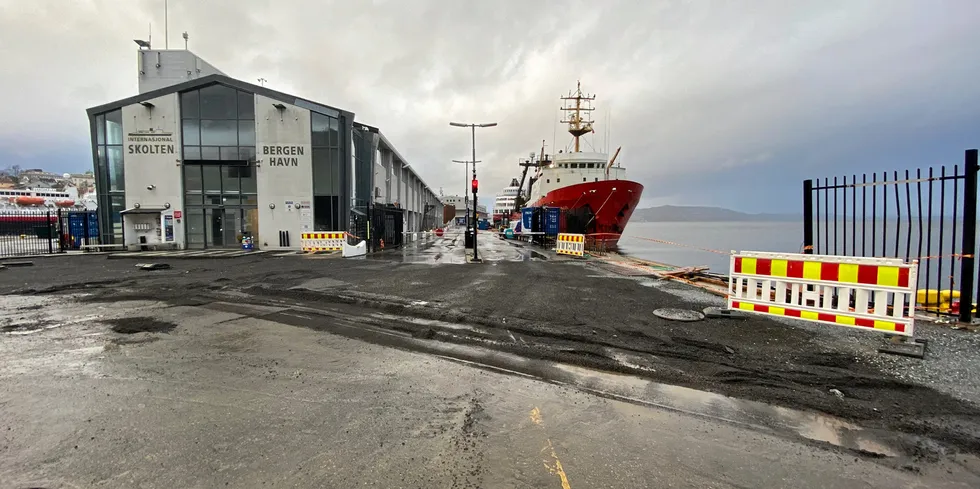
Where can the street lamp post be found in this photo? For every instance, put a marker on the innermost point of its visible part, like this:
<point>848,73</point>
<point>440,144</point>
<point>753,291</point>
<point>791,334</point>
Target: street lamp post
<point>473,131</point>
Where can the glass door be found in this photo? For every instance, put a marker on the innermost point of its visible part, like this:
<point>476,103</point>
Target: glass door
<point>216,227</point>
<point>232,223</point>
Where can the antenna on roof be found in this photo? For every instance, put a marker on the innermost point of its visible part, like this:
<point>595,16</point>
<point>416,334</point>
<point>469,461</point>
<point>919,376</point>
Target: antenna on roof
<point>166,25</point>
<point>185,40</point>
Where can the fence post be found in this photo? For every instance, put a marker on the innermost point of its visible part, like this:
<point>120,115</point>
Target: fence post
<point>808,217</point>
<point>969,236</point>
<point>50,247</point>
<point>62,246</point>
<point>64,229</point>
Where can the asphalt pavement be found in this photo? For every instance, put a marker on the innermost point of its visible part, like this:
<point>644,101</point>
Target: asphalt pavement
<point>149,394</point>
<point>312,370</point>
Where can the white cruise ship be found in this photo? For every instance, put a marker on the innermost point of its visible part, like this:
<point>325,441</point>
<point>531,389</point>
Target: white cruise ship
<point>503,206</point>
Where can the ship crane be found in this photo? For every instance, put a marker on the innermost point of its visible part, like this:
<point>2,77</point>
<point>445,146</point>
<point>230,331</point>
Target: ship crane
<point>612,161</point>
<point>521,195</point>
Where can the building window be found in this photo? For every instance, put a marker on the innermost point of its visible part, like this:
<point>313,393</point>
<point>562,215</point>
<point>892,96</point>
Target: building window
<point>328,172</point>
<point>218,124</point>
<point>114,130</point>
<point>114,167</point>
<point>110,175</point>
<point>219,102</point>
<point>100,129</point>
<point>220,203</point>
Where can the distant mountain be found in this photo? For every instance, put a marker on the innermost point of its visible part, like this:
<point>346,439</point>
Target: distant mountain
<point>674,213</point>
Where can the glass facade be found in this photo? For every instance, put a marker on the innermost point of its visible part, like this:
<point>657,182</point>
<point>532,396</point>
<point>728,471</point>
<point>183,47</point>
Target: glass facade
<point>218,166</point>
<point>329,175</point>
<point>365,152</point>
<point>217,124</point>
<point>110,175</point>
<point>220,203</point>
<point>218,137</point>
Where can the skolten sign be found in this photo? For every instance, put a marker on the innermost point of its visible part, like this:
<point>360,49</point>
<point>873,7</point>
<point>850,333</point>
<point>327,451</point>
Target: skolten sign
<point>150,143</point>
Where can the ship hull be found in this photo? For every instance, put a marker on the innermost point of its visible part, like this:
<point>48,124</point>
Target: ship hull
<point>599,209</point>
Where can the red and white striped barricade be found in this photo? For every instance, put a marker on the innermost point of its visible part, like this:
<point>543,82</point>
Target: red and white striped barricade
<point>864,293</point>
<point>570,244</point>
<point>326,241</point>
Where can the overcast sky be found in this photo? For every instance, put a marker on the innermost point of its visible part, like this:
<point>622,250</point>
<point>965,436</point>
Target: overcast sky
<point>729,103</point>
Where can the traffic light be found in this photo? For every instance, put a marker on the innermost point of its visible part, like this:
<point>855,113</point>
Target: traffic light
<point>474,185</point>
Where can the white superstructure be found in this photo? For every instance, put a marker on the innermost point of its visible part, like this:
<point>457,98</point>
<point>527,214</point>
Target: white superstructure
<point>573,168</point>
<point>504,203</point>
<point>48,197</point>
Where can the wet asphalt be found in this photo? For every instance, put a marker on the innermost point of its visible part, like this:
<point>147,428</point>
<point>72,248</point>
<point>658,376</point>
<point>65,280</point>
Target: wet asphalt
<point>411,368</point>
<point>234,399</point>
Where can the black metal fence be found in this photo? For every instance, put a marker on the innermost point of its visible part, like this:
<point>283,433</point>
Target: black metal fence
<point>380,226</point>
<point>25,232</point>
<point>28,232</point>
<point>929,216</point>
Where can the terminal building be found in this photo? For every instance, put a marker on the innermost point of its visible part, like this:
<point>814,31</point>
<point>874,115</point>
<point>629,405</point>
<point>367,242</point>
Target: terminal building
<point>201,160</point>
<point>464,208</point>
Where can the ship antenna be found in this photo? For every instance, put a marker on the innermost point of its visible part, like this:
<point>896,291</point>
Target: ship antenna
<point>577,126</point>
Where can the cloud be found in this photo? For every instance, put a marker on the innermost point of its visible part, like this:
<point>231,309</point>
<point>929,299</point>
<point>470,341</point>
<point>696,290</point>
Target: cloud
<point>704,97</point>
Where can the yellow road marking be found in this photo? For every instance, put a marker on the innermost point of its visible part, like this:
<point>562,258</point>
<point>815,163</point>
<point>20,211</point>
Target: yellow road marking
<point>554,467</point>
<point>536,416</point>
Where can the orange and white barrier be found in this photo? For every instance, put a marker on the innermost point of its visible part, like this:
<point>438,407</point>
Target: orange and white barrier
<point>332,241</point>
<point>570,244</point>
<point>843,291</point>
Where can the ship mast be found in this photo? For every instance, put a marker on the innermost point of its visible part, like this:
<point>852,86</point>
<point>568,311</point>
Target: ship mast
<point>577,126</point>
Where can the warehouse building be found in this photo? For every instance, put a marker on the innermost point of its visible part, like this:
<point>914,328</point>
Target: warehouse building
<point>201,160</point>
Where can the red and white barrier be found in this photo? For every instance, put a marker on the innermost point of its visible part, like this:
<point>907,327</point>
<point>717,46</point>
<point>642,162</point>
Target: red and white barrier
<point>864,293</point>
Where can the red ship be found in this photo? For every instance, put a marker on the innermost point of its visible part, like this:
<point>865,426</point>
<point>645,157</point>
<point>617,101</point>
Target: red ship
<point>592,191</point>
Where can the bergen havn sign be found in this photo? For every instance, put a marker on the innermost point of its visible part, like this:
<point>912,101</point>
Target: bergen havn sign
<point>282,155</point>
<point>150,143</point>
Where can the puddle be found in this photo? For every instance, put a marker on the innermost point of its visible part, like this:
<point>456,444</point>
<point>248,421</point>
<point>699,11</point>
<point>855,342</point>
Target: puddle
<point>812,426</point>
<point>444,251</point>
<point>133,325</point>
<point>752,414</point>
<point>809,425</point>
<point>429,322</point>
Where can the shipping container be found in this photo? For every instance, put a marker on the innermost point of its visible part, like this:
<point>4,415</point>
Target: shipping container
<point>551,219</point>
<point>527,219</point>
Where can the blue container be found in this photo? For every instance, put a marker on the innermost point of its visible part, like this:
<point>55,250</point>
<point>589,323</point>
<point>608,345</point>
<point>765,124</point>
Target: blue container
<point>508,233</point>
<point>76,227</point>
<point>551,217</point>
<point>527,218</point>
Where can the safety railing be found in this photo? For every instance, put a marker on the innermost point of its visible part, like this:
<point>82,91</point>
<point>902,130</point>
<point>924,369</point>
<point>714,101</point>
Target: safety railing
<point>925,215</point>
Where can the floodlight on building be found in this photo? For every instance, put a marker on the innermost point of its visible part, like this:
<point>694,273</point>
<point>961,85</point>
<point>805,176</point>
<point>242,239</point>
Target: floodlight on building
<point>142,44</point>
<point>148,105</point>
<point>279,106</point>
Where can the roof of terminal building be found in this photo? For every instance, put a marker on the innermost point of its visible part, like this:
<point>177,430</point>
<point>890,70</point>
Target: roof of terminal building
<point>224,80</point>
